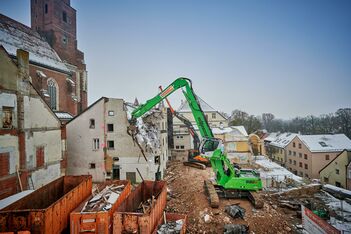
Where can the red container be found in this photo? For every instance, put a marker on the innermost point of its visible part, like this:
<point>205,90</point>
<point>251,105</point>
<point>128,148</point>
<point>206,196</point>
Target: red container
<point>173,217</point>
<point>101,221</point>
<point>47,209</point>
<point>125,219</point>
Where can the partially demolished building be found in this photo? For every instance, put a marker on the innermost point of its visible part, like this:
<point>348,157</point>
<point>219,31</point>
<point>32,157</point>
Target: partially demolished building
<point>99,144</point>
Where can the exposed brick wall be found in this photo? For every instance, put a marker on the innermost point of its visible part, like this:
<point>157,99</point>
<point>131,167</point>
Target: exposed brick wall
<point>8,186</point>
<point>66,103</point>
<point>4,164</point>
<point>40,156</point>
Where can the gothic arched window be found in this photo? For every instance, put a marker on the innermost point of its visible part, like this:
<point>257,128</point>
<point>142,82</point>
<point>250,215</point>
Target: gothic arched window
<point>53,92</point>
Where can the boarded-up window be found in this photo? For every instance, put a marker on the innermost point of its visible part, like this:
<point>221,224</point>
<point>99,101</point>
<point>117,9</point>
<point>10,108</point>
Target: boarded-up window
<point>131,176</point>
<point>7,117</point>
<point>4,164</point>
<point>40,156</point>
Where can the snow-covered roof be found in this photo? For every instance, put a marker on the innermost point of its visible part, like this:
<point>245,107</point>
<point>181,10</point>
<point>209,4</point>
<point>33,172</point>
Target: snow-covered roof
<point>63,115</point>
<point>184,107</point>
<point>14,35</point>
<point>283,139</point>
<point>234,130</point>
<point>326,143</point>
<point>271,136</point>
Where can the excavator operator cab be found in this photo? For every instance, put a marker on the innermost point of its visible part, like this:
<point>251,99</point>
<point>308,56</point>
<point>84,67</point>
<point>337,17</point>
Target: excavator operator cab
<point>208,145</point>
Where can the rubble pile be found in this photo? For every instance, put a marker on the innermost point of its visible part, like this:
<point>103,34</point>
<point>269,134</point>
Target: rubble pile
<point>103,200</point>
<point>235,229</point>
<point>235,211</point>
<point>170,227</point>
<point>187,195</point>
<point>145,206</point>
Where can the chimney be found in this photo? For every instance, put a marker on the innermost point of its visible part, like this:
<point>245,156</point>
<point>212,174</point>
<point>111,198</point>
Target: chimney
<point>23,64</point>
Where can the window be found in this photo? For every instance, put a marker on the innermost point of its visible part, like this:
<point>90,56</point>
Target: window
<point>46,8</point>
<point>111,113</point>
<point>40,156</point>
<point>299,145</point>
<point>213,115</point>
<point>53,93</point>
<point>327,157</point>
<point>294,144</point>
<point>294,153</point>
<point>323,144</point>
<point>181,137</point>
<point>305,156</point>
<point>111,145</point>
<point>301,173</point>
<point>4,164</point>
<point>290,161</point>
<point>289,152</point>
<point>64,16</point>
<point>96,143</point>
<point>64,39</point>
<point>294,162</point>
<point>92,165</point>
<point>306,166</point>
<point>92,123</point>
<point>326,180</point>
<point>157,159</point>
<point>7,117</point>
<point>337,171</point>
<point>306,175</point>
<point>300,155</point>
<point>337,184</point>
<point>177,147</point>
<point>110,127</point>
<point>182,146</point>
<point>300,164</point>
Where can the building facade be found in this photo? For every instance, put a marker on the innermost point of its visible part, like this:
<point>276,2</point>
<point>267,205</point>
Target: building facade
<point>182,139</point>
<point>32,141</point>
<point>336,172</point>
<point>277,147</point>
<point>308,154</point>
<point>99,145</point>
<point>57,68</point>
<point>236,143</point>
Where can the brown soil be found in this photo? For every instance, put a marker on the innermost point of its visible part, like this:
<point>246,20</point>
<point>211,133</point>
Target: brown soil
<point>187,195</point>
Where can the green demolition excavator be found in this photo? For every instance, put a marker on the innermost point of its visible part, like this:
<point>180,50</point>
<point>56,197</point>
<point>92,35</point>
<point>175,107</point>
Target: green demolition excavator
<point>231,182</point>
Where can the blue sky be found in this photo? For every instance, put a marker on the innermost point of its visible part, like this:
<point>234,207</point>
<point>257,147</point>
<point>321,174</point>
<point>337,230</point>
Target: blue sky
<point>290,58</point>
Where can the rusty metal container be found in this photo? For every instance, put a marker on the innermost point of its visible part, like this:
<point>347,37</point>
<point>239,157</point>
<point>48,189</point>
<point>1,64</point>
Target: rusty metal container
<point>101,221</point>
<point>125,219</point>
<point>47,209</point>
<point>173,217</point>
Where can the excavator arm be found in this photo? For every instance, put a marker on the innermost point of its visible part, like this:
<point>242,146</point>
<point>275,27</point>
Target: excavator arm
<point>186,86</point>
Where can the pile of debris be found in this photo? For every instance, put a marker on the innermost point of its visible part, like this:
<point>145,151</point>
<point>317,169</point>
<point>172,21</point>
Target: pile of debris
<point>173,227</point>
<point>145,206</point>
<point>103,200</point>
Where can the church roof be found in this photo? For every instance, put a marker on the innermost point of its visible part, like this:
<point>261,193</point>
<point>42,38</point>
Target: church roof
<point>14,35</point>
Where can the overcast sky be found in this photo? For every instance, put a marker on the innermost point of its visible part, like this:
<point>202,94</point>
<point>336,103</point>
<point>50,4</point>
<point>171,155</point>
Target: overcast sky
<point>290,58</point>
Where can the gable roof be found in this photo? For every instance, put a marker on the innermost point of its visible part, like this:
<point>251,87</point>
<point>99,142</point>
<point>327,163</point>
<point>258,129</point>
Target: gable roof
<point>14,35</point>
<point>185,108</point>
<point>283,139</point>
<point>234,130</point>
<point>326,143</point>
<point>88,108</point>
<point>348,155</point>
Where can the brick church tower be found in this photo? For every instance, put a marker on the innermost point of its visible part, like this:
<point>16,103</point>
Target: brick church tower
<point>56,21</point>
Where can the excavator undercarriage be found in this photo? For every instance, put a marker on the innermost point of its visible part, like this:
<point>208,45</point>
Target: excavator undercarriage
<point>214,192</point>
